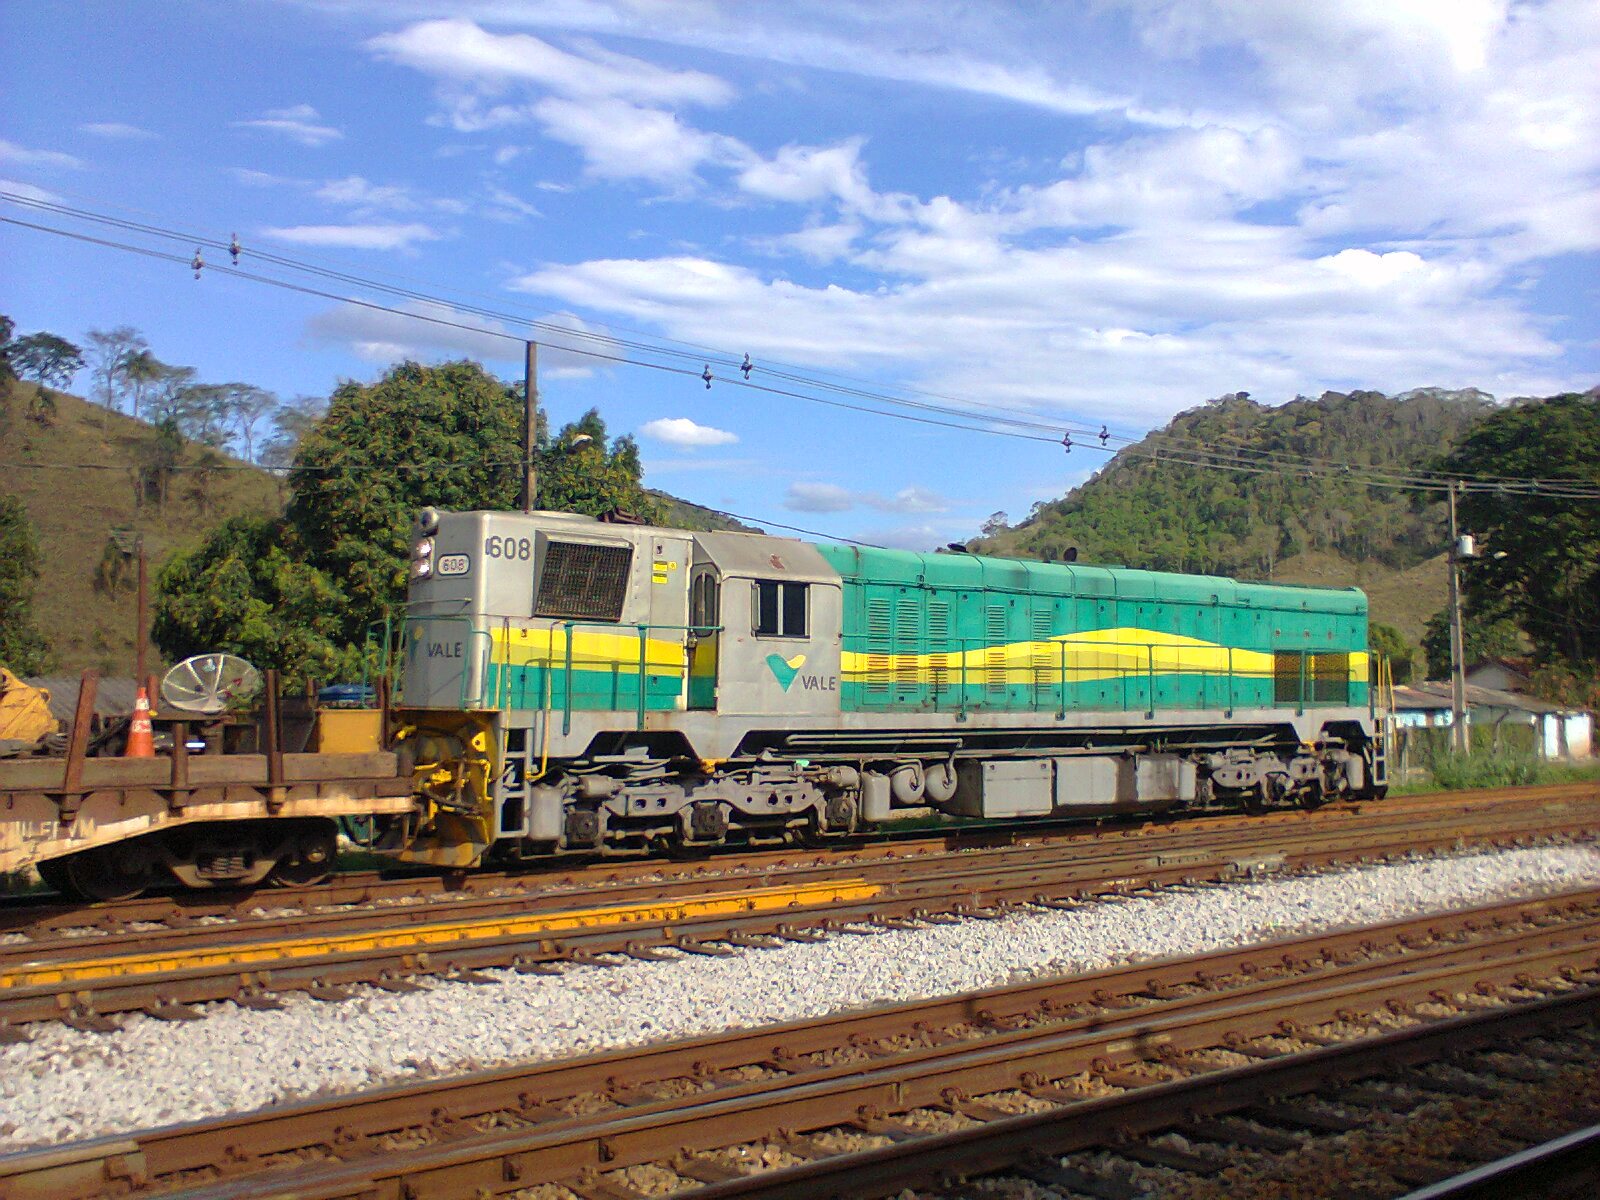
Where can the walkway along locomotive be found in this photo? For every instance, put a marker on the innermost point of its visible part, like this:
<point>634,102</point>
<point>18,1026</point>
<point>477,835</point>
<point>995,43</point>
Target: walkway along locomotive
<point>572,686</point>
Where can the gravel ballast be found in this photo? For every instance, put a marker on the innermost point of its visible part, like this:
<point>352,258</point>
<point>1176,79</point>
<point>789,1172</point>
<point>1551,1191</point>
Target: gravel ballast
<point>67,1085</point>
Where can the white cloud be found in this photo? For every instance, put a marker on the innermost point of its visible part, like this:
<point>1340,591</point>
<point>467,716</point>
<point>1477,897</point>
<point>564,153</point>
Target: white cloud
<point>681,431</point>
<point>116,129</point>
<point>299,123</point>
<point>460,50</point>
<point>819,498</point>
<point>355,237</point>
<point>28,191</point>
<point>805,496</point>
<point>620,140</point>
<point>23,156</point>
<point>427,331</point>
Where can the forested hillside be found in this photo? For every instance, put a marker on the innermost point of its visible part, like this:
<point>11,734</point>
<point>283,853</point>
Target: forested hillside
<point>1144,509</point>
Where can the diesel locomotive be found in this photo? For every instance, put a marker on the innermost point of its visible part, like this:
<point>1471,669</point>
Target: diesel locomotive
<point>572,686</point>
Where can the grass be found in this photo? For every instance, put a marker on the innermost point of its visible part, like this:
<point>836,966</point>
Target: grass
<point>74,511</point>
<point>1491,769</point>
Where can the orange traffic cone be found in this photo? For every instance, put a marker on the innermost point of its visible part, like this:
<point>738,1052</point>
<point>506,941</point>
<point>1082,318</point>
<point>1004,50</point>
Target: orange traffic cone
<point>141,738</point>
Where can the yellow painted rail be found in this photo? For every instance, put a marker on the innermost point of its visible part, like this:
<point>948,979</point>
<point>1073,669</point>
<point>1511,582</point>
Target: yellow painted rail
<point>284,951</point>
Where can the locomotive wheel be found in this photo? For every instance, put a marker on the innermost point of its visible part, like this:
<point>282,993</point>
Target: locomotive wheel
<point>109,873</point>
<point>308,861</point>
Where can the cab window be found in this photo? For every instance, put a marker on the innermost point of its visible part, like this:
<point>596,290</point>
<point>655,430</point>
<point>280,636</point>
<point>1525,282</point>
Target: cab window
<point>780,608</point>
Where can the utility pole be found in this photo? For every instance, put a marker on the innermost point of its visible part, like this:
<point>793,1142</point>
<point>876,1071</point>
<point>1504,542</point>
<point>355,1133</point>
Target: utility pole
<point>530,433</point>
<point>1461,736</point>
<point>141,620</point>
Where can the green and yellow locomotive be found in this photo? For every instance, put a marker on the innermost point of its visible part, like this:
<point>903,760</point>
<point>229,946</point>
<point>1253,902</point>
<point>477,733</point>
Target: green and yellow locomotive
<point>573,686</point>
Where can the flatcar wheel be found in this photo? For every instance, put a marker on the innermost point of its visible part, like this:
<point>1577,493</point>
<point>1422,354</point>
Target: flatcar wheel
<point>109,873</point>
<point>309,860</point>
<point>54,874</point>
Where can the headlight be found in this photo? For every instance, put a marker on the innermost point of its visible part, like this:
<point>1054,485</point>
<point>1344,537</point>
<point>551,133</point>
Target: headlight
<point>421,569</point>
<point>423,550</point>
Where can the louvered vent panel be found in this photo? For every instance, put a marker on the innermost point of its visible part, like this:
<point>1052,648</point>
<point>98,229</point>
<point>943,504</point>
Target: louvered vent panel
<point>907,644</point>
<point>939,646</point>
<point>879,638</point>
<point>1045,656</point>
<point>994,651</point>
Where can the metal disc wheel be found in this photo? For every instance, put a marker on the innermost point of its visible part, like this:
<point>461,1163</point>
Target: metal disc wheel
<point>109,873</point>
<point>309,861</point>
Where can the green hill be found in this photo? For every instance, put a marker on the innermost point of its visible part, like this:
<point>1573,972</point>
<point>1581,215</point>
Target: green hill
<point>85,599</point>
<point>1147,511</point>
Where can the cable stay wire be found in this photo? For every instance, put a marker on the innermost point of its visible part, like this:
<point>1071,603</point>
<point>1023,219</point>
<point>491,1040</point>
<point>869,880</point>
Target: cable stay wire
<point>1188,453</point>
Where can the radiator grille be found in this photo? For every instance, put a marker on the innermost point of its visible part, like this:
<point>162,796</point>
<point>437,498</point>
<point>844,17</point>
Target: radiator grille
<point>582,581</point>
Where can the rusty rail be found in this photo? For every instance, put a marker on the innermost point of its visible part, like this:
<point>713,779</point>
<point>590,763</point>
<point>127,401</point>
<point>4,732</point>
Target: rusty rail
<point>941,1053</point>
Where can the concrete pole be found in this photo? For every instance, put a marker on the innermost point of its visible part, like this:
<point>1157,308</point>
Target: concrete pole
<point>1461,735</point>
<point>530,434</point>
<point>141,618</point>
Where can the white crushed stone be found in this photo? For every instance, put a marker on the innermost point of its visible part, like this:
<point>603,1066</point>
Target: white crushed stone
<point>67,1085</point>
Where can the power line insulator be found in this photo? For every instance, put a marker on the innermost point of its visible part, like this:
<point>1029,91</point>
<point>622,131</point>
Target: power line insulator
<point>707,376</point>
<point>747,366</point>
<point>1105,435</point>
<point>1066,442</point>
<point>197,264</point>
<point>234,247</point>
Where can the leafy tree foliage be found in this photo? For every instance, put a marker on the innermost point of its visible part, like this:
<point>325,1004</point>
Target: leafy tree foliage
<point>1548,579</point>
<point>421,435</point>
<point>291,421</point>
<point>581,471</point>
<point>336,564</point>
<point>1147,508</point>
<point>1482,636</point>
<point>110,352</point>
<point>1391,644</point>
<point>248,591</point>
<point>7,328</point>
<point>45,358</point>
<point>22,647</point>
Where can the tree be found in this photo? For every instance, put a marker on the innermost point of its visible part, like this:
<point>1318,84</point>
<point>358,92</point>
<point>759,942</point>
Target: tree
<point>110,351</point>
<point>580,472</point>
<point>248,591</point>
<point>1389,642</point>
<point>247,407</point>
<point>7,328</point>
<point>440,435</point>
<point>1482,636</point>
<point>996,523</point>
<point>48,360</point>
<point>158,456</point>
<point>290,423</point>
<point>1543,568</point>
<point>141,370</point>
<point>22,648</point>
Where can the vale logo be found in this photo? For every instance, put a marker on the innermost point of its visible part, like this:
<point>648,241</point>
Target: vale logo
<point>785,669</point>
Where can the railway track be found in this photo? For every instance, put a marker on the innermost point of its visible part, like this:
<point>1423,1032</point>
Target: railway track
<point>165,972</point>
<point>871,1102</point>
<point>37,916</point>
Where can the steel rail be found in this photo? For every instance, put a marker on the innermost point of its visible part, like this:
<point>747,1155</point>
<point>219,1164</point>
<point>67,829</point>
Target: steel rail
<point>935,864</point>
<point>396,960</point>
<point>997,1016</point>
<point>865,1095</point>
<point>940,1159</point>
<point>1569,1161</point>
<point>36,914</point>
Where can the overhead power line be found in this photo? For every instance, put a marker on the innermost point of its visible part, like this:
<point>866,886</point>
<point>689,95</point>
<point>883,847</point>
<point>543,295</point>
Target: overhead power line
<point>620,351</point>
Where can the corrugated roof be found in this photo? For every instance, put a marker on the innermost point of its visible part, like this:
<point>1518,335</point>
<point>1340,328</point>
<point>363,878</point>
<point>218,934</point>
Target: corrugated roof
<point>112,698</point>
<point>1435,694</point>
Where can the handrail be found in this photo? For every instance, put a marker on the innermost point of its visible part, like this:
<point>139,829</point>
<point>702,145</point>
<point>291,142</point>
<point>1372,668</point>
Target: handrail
<point>643,631</point>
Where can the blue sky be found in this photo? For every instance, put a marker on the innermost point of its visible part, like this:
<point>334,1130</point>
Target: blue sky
<point>1087,213</point>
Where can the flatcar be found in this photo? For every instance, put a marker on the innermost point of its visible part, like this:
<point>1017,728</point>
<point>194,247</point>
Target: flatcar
<point>570,686</point>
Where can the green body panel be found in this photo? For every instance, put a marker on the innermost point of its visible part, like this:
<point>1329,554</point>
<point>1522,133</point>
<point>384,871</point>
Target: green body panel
<point>960,631</point>
<point>610,687</point>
